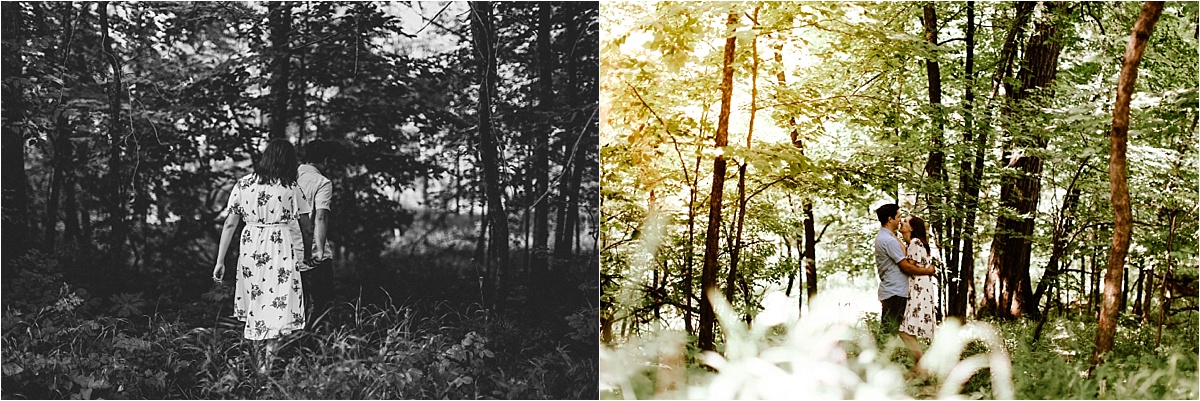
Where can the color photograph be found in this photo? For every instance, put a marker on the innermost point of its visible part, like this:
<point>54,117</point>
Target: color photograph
<point>878,200</point>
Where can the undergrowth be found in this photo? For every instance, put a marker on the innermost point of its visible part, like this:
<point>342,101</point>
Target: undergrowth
<point>59,342</point>
<point>827,354</point>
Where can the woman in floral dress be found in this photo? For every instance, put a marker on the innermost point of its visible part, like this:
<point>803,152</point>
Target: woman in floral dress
<point>269,296</point>
<point>920,313</point>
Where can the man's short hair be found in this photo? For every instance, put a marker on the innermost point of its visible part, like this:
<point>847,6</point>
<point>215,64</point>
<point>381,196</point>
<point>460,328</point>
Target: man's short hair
<point>319,151</point>
<point>887,211</point>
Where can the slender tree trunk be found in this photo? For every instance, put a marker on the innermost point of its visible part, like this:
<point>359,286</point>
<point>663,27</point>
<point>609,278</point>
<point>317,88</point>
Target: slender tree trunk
<point>962,258</point>
<point>810,250</point>
<point>279,16</point>
<point>541,152</point>
<point>1008,290</point>
<point>482,32</point>
<point>1122,229</point>
<point>708,278</point>
<point>735,253</point>
<point>689,273</point>
<point>117,210</point>
<point>61,160</point>
<point>562,231</point>
<point>1164,305</point>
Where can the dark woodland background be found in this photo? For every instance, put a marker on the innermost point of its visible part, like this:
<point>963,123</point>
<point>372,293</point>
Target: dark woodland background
<point>465,252</point>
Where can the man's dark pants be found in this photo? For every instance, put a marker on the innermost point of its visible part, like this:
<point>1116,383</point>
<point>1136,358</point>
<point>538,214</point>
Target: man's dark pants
<point>318,288</point>
<point>893,313</point>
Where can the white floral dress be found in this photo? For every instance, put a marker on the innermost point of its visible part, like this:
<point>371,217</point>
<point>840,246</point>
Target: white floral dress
<point>269,296</point>
<point>920,313</point>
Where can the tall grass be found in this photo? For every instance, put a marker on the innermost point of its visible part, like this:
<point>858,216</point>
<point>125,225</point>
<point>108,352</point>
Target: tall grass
<point>829,355</point>
<point>394,352</point>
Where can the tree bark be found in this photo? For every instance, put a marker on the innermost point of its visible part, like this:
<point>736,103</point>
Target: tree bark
<point>564,228</point>
<point>15,183</point>
<point>1118,140</point>
<point>117,209</point>
<point>735,253</point>
<point>482,33</point>
<point>541,152</point>
<point>708,277</point>
<point>963,259</point>
<point>935,166</point>
<point>810,250</point>
<point>1008,293</point>
<point>279,16</point>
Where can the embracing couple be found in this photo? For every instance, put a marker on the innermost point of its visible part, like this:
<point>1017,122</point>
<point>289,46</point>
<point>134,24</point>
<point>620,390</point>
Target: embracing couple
<point>283,250</point>
<point>906,283</point>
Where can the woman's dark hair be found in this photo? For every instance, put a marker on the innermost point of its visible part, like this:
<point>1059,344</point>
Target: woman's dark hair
<point>918,231</point>
<point>278,163</point>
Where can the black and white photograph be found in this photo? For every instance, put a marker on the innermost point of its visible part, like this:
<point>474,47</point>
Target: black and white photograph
<point>300,200</point>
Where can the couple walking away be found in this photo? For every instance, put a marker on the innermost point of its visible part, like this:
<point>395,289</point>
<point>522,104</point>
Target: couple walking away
<point>906,278</point>
<point>283,252</point>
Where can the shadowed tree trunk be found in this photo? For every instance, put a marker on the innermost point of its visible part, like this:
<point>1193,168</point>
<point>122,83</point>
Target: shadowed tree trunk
<point>708,277</point>
<point>1118,139</point>
<point>541,152</point>
<point>16,222</point>
<point>935,166</point>
<point>482,34</point>
<point>116,181</point>
<point>962,260</point>
<point>279,16</point>
<point>1008,292</point>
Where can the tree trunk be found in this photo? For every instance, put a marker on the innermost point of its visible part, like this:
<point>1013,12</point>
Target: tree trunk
<point>60,161</point>
<point>689,271</point>
<point>935,166</point>
<point>1008,293</point>
<point>962,264</point>
<point>279,16</point>
<point>117,211</point>
<point>809,255</point>
<point>541,151</point>
<point>482,33</point>
<point>735,253</point>
<point>1123,222</point>
<point>810,250</point>
<point>15,182</point>
<point>708,277</point>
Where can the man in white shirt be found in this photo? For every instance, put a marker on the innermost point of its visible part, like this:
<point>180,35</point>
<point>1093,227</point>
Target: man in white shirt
<point>317,189</point>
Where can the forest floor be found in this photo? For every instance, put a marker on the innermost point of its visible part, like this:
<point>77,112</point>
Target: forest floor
<point>406,326</point>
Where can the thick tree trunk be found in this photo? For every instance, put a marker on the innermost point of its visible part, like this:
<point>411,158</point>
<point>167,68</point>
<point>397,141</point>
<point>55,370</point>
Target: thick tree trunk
<point>1118,139</point>
<point>935,166</point>
<point>116,182</point>
<point>1008,293</point>
<point>15,182</point>
<point>708,277</point>
<point>279,16</point>
<point>541,151</point>
<point>482,33</point>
